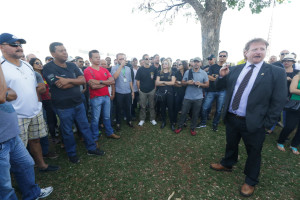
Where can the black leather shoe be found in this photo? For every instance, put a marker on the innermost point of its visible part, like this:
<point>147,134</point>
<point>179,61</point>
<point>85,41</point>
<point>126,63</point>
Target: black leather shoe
<point>163,124</point>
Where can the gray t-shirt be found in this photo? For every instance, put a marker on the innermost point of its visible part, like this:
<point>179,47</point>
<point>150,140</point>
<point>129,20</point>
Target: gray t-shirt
<point>122,83</point>
<point>192,92</point>
<point>39,78</point>
<point>9,127</point>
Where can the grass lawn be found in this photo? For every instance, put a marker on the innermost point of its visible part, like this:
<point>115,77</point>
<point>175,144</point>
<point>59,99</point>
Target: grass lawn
<point>151,163</point>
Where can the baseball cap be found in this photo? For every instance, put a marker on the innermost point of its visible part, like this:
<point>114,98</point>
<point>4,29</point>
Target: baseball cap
<point>48,58</point>
<point>211,57</point>
<point>9,38</point>
<point>197,59</point>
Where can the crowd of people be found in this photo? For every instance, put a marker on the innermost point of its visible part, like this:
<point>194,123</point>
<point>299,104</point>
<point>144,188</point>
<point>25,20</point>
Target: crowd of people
<point>94,96</point>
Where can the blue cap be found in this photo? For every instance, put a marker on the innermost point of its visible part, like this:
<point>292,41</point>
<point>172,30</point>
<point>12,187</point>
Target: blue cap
<point>9,38</point>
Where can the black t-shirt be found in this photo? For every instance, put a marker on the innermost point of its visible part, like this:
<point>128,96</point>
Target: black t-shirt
<point>291,75</point>
<point>158,68</point>
<point>166,77</point>
<point>179,77</point>
<point>213,70</point>
<point>147,77</point>
<point>63,98</point>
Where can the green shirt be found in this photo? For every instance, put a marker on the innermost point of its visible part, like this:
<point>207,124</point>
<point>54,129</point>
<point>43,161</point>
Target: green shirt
<point>296,96</point>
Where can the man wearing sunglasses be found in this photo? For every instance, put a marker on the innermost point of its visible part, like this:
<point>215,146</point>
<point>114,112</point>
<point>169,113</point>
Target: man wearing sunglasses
<point>145,81</point>
<point>21,78</point>
<point>281,56</point>
<point>14,157</point>
<point>214,94</point>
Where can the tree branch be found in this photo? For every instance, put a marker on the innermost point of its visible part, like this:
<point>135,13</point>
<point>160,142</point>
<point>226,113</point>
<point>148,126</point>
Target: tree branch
<point>169,7</point>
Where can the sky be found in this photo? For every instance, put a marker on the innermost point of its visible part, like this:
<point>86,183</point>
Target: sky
<point>111,27</point>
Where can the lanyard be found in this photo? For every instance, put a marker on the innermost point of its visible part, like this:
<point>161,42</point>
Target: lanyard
<point>123,71</point>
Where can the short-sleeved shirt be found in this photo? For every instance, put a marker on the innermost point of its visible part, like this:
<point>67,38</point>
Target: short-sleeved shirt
<point>101,75</point>
<point>166,77</point>
<point>122,83</point>
<point>179,77</point>
<point>194,92</point>
<point>39,78</point>
<point>213,70</point>
<point>9,127</point>
<point>63,98</point>
<point>23,81</point>
<point>147,77</point>
<point>135,89</point>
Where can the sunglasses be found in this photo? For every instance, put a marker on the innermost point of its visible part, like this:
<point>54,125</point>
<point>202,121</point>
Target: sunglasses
<point>38,63</point>
<point>179,64</point>
<point>14,45</point>
<point>284,54</point>
<point>146,59</point>
<point>223,56</point>
<point>81,61</point>
<point>209,59</point>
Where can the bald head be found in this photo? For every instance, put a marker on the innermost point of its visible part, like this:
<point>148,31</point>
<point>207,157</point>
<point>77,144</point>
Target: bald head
<point>29,56</point>
<point>103,63</point>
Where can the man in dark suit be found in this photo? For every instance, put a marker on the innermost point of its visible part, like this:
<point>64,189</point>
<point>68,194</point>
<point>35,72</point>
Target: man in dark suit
<point>255,96</point>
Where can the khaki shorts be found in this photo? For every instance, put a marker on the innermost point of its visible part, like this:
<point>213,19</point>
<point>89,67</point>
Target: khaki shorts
<point>32,128</point>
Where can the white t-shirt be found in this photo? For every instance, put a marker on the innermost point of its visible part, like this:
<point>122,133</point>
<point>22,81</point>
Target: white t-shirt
<point>23,81</point>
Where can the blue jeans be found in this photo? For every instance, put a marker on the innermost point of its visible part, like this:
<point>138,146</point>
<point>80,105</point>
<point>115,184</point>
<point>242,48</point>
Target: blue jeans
<point>14,157</point>
<point>67,117</point>
<point>210,97</point>
<point>98,103</point>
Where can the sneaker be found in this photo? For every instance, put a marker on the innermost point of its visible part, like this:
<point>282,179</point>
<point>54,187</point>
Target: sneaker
<point>215,128</point>
<point>141,123</point>
<point>96,152</point>
<point>201,125</point>
<point>45,192</point>
<point>153,122</point>
<point>74,159</point>
<point>51,155</point>
<point>178,130</point>
<point>50,168</point>
<point>193,132</point>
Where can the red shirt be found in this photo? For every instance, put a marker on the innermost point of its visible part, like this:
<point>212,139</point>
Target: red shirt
<point>46,95</point>
<point>103,74</point>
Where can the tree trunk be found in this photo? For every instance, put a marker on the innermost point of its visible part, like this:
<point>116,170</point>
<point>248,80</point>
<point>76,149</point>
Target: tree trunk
<point>211,19</point>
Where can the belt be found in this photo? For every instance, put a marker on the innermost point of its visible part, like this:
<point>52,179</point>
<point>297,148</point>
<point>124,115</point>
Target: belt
<point>236,116</point>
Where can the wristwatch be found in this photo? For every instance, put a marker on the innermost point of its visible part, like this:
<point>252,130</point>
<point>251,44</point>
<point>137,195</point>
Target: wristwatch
<point>101,82</point>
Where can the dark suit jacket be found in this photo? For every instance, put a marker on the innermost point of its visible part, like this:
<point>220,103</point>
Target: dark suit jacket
<point>266,99</point>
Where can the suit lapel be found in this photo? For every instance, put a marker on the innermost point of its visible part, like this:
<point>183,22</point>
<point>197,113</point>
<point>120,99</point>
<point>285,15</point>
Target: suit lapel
<point>260,75</point>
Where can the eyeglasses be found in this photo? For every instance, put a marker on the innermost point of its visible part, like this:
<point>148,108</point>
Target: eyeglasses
<point>284,54</point>
<point>223,56</point>
<point>38,63</point>
<point>146,58</point>
<point>14,45</point>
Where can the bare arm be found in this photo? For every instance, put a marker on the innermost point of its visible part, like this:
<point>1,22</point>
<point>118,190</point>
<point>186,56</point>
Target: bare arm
<point>3,87</point>
<point>294,85</point>
<point>41,88</point>
<point>211,78</point>
<point>11,95</point>
<point>138,84</point>
<point>65,83</point>
<point>113,92</point>
<point>203,85</point>
<point>117,73</point>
